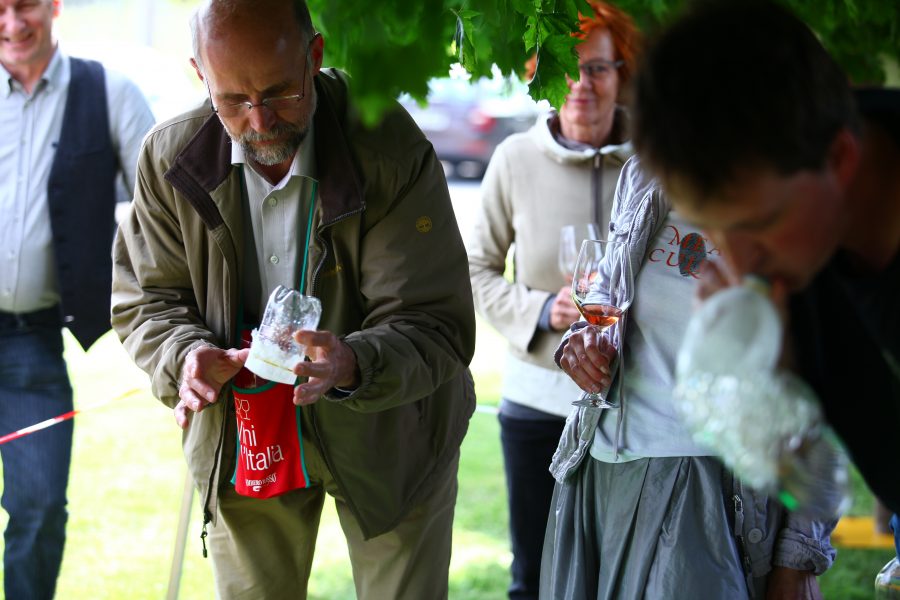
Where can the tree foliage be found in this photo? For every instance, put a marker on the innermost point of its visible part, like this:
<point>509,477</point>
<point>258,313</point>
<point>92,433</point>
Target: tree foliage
<point>397,46</point>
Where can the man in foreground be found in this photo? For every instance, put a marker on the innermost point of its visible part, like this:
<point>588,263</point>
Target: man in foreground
<point>282,186</point>
<point>756,135</point>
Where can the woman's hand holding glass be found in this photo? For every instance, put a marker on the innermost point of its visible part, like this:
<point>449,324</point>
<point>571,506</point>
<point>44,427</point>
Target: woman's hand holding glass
<point>602,289</point>
<point>587,359</point>
<point>563,311</point>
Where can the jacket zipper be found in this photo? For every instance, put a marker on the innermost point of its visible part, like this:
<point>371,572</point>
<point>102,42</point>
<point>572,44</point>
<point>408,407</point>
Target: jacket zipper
<point>739,537</point>
<point>597,184</point>
<point>217,457</point>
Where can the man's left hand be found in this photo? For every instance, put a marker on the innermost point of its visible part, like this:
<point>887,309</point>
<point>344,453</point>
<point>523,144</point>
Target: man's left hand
<point>333,365</point>
<point>790,584</point>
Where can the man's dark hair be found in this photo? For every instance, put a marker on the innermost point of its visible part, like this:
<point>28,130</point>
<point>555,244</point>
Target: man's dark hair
<point>735,85</point>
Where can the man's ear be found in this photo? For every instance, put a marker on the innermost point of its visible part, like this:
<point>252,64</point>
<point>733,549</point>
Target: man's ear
<point>197,68</point>
<point>317,52</point>
<point>844,156</point>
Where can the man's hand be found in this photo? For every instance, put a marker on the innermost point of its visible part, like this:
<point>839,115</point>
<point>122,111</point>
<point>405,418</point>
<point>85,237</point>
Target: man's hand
<point>333,365</point>
<point>717,274</point>
<point>790,584</point>
<point>714,275</point>
<point>563,312</point>
<point>205,370</point>
<point>586,359</point>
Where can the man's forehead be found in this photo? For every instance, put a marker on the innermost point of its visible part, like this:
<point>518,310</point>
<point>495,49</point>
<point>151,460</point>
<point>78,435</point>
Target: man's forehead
<point>684,195</point>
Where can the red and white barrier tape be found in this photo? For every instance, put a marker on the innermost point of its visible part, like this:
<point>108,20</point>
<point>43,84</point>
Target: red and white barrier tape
<point>59,419</point>
<point>491,410</point>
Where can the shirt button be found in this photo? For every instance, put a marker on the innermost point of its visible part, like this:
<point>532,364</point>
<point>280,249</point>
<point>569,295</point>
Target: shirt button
<point>273,201</point>
<point>273,259</point>
<point>754,536</point>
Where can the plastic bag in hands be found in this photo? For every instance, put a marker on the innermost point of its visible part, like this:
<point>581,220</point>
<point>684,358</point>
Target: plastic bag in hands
<point>274,352</point>
<point>765,423</point>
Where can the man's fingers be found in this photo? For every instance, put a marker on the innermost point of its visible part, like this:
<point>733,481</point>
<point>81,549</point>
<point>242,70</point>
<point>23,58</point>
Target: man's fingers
<point>307,337</point>
<point>310,392</point>
<point>319,369</point>
<point>199,387</point>
<point>191,399</point>
<point>711,280</point>
<point>181,416</point>
<point>237,357</point>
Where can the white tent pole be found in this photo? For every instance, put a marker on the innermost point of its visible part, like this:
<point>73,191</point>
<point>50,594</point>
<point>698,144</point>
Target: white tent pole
<point>184,519</point>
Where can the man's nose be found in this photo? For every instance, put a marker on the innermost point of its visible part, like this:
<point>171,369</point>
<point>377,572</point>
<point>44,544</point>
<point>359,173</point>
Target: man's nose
<point>262,118</point>
<point>10,20</point>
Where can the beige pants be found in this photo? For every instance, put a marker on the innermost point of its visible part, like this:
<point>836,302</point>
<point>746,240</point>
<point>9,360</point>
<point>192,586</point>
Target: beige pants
<point>263,549</point>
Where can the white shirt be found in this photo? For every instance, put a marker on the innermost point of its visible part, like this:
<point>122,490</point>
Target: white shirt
<point>30,126</point>
<point>659,315</point>
<point>278,220</point>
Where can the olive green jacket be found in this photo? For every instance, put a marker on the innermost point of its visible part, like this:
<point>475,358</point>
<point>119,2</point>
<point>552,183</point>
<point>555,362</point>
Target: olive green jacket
<point>386,260</point>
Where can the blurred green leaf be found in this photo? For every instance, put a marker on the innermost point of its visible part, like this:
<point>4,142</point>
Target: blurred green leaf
<point>395,47</point>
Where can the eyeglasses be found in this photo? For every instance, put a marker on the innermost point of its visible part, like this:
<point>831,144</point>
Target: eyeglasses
<point>275,104</point>
<point>597,69</point>
<point>242,109</point>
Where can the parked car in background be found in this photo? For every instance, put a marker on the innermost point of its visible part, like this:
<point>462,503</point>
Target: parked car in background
<point>465,121</point>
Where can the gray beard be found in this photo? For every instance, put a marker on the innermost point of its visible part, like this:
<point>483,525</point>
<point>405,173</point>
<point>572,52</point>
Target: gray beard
<point>276,153</point>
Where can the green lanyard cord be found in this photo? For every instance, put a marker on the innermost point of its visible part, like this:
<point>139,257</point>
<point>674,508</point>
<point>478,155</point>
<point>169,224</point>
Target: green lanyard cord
<point>309,220</point>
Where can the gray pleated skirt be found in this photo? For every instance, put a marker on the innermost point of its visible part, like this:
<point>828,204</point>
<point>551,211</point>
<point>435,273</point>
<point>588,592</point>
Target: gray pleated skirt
<point>654,528</point>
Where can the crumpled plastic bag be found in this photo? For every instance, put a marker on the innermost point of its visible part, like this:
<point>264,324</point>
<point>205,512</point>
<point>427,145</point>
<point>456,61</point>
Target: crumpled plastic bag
<point>273,351</point>
<point>765,423</point>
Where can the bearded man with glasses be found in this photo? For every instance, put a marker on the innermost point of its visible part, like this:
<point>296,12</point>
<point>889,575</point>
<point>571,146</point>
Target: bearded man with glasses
<point>275,182</point>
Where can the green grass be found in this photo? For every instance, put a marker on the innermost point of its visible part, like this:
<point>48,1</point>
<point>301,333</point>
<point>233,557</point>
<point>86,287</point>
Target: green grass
<point>128,476</point>
<point>853,575</point>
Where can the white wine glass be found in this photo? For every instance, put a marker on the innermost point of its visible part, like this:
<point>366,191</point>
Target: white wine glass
<point>570,238</point>
<point>602,289</point>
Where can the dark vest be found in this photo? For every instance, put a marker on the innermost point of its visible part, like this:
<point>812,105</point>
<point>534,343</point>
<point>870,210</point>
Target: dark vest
<point>81,196</point>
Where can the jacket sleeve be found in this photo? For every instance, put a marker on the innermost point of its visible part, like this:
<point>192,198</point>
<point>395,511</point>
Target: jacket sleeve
<point>627,194</point>
<point>419,328</point>
<point>805,544</point>
<point>511,308</point>
<point>130,118</point>
<point>154,311</point>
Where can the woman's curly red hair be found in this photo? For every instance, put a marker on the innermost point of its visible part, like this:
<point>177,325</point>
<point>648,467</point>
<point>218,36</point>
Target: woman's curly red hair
<point>622,30</point>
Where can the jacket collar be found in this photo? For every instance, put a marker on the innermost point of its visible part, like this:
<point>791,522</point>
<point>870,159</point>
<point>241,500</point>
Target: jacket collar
<point>205,161</point>
<point>340,180</point>
<point>545,134</point>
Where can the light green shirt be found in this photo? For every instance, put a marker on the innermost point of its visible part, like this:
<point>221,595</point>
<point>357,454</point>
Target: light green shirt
<point>277,228</point>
